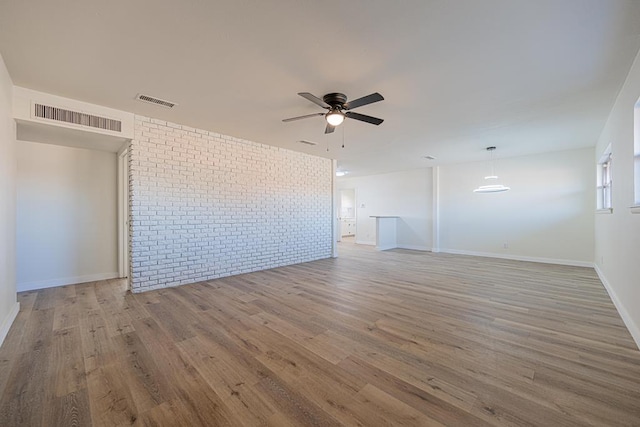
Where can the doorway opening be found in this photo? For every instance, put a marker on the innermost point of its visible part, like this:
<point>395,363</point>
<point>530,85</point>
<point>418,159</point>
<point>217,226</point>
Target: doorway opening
<point>347,221</point>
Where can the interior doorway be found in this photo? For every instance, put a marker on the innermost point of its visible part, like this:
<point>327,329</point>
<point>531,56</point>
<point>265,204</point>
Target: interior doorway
<point>347,216</point>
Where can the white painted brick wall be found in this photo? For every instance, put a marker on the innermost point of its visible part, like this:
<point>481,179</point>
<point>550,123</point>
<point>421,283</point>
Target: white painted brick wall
<point>205,205</point>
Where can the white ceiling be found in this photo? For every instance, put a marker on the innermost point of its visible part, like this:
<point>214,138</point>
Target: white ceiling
<point>457,76</point>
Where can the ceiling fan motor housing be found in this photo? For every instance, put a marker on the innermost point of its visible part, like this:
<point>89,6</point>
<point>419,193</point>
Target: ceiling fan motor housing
<point>335,100</point>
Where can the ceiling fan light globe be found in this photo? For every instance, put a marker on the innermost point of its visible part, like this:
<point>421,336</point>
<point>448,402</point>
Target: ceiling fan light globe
<point>334,118</point>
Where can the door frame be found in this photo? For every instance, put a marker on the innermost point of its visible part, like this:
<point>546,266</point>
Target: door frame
<point>123,211</point>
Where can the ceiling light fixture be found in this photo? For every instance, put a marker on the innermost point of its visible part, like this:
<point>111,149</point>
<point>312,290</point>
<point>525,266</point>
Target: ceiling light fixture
<point>493,188</point>
<point>341,173</point>
<point>335,117</point>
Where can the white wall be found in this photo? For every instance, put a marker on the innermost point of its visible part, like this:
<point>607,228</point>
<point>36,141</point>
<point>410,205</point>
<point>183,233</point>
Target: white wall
<point>546,216</point>
<point>617,237</point>
<point>205,205</point>
<point>9,306</point>
<point>66,225</point>
<point>406,194</point>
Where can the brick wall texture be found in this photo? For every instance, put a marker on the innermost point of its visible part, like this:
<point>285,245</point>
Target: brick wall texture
<point>205,205</point>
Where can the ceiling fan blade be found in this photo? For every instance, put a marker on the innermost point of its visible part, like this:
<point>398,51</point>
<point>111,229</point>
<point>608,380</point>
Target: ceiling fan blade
<point>369,99</point>
<point>363,118</point>
<point>302,117</point>
<point>314,99</point>
<point>329,129</point>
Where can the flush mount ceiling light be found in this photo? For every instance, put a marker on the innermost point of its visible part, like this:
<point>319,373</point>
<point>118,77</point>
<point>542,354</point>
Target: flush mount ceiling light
<point>341,173</point>
<point>491,188</point>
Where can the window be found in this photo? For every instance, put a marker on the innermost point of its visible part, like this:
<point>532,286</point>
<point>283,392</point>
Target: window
<point>604,182</point>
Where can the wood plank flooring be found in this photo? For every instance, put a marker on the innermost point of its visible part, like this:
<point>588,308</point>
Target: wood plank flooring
<point>368,339</point>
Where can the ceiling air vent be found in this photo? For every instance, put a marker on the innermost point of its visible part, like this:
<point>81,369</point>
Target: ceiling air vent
<point>75,117</point>
<point>302,141</point>
<point>156,101</point>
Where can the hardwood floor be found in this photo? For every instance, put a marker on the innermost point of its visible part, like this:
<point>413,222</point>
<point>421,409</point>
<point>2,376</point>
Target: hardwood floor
<point>371,338</point>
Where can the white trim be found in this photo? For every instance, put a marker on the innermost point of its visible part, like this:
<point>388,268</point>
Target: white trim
<point>569,262</point>
<point>635,209</point>
<point>634,329</point>
<point>604,211</point>
<point>436,210</point>
<point>8,321</point>
<point>335,228</point>
<point>52,283</point>
<point>365,242</point>
<point>414,248</point>
<point>123,211</point>
<point>355,211</point>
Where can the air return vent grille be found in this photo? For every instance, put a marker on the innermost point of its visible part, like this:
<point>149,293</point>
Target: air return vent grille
<point>156,101</point>
<point>77,118</point>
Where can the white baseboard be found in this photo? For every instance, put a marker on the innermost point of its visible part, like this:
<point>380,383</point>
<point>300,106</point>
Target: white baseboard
<point>365,242</point>
<point>8,321</point>
<point>634,329</point>
<point>569,262</point>
<point>52,283</point>
<point>414,248</point>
